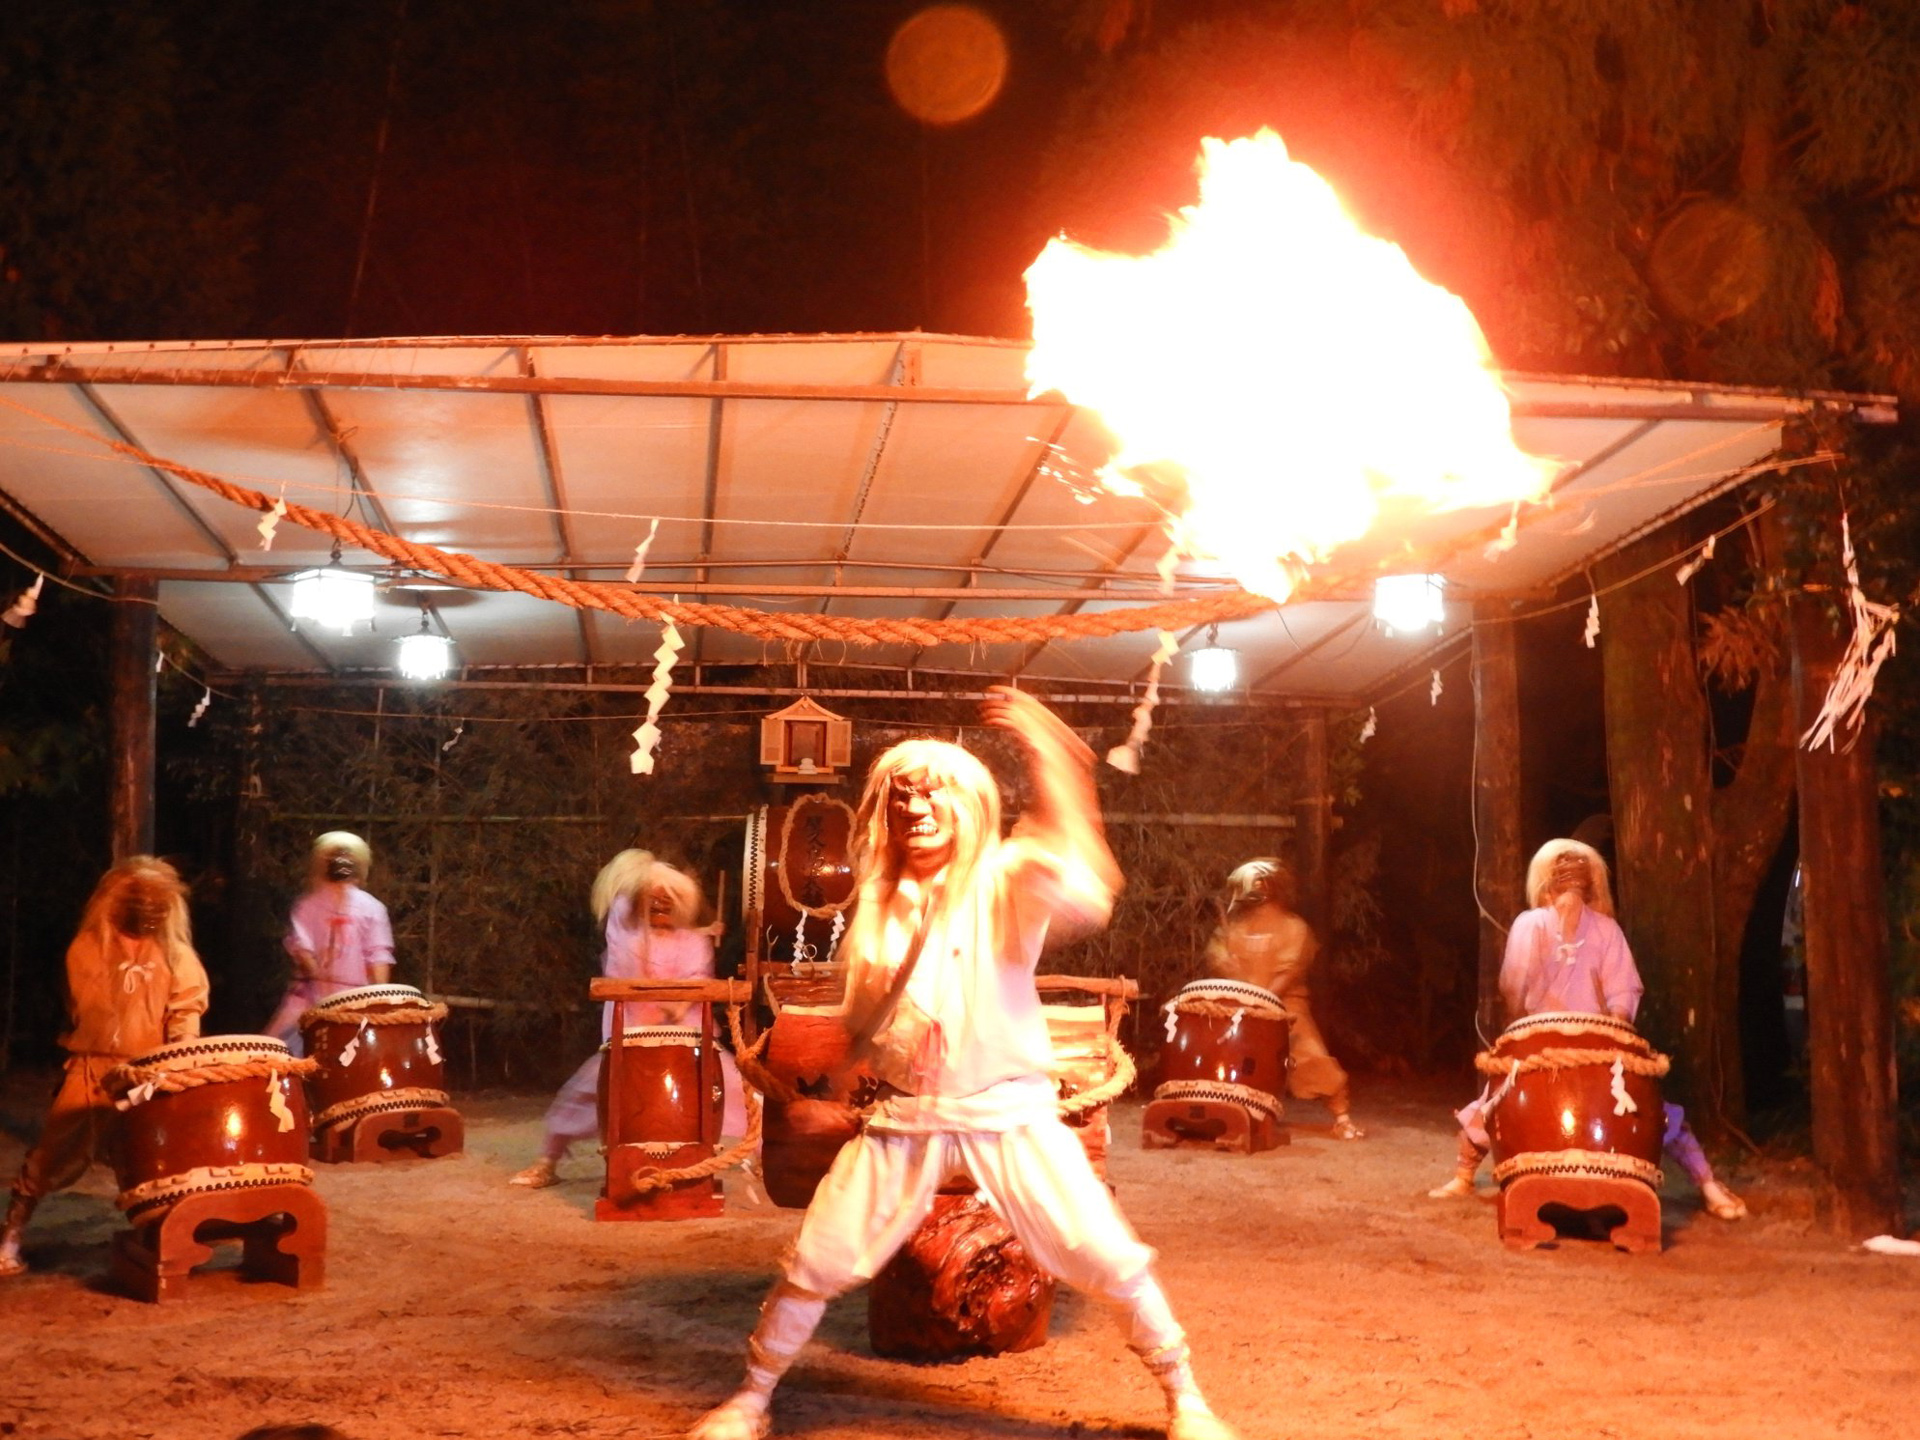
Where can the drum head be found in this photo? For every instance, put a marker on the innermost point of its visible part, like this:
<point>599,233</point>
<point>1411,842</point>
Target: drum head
<point>212,1050</point>
<point>1595,1029</point>
<point>1229,992</point>
<point>363,996</point>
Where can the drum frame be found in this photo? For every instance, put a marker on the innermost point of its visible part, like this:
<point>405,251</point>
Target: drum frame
<point>631,1158</point>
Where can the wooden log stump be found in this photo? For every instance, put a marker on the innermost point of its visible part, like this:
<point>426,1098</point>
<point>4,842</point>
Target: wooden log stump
<point>962,1285</point>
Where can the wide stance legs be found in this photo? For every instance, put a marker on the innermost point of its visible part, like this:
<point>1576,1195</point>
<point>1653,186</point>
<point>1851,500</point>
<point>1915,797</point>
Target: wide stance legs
<point>1038,1179</point>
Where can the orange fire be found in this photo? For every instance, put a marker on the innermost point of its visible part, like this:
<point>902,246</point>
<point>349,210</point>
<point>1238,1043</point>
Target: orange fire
<point>1296,373</point>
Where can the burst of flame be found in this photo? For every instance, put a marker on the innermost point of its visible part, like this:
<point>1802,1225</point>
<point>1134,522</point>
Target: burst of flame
<point>1295,372</point>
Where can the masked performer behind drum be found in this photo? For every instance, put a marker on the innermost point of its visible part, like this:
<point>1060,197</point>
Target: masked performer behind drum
<point>338,935</point>
<point>134,984</point>
<point>647,911</point>
<point>941,1005</point>
<point>1568,954</point>
<point>1263,941</point>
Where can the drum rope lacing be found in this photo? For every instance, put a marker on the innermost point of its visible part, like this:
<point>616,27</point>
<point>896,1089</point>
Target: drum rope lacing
<point>1247,1096</point>
<point>378,1101</point>
<point>1488,1062</point>
<point>207,1179</point>
<point>122,1080</point>
<point>816,912</point>
<point>837,912</point>
<point>399,1012</point>
<point>1605,1164</point>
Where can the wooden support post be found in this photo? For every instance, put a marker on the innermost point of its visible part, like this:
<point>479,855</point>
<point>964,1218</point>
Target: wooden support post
<point>1657,777</point>
<point>136,622</point>
<point>1499,879</point>
<point>1313,833</point>
<point>1849,989</point>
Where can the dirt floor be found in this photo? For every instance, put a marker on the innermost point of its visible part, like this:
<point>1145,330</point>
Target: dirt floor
<point>1325,1295</point>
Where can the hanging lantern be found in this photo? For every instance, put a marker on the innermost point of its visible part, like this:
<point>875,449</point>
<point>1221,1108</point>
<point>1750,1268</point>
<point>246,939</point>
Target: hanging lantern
<point>1407,604</point>
<point>335,597</point>
<point>1213,668</point>
<point>424,655</point>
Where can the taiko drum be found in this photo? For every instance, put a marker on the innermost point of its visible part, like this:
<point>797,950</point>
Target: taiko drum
<point>799,868</point>
<point>377,1051</point>
<point>1592,1111</point>
<point>670,1089</point>
<point>222,1112</point>
<point>1227,1035</point>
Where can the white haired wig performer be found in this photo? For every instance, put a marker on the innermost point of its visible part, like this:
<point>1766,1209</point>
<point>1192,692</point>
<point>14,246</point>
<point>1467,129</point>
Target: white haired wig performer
<point>134,983</point>
<point>338,936</point>
<point>941,1004</point>
<point>646,909</point>
<point>1567,953</point>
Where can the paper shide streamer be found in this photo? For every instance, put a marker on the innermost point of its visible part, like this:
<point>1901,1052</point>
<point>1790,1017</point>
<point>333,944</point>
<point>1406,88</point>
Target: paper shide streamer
<point>1126,755</point>
<point>647,737</point>
<point>1867,650</point>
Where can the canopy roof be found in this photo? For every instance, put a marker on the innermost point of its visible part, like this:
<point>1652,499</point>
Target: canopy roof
<point>863,475</point>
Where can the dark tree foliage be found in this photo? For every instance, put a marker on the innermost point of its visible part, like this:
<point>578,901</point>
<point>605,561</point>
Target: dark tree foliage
<point>106,229</point>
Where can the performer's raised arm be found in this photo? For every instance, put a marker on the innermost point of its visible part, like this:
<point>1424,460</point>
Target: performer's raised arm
<point>1063,818</point>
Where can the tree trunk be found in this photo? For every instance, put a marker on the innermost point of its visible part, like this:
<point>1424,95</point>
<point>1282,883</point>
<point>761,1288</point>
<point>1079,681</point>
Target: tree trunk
<point>1656,719</point>
<point>1499,879</point>
<point>1750,816</point>
<point>1849,991</point>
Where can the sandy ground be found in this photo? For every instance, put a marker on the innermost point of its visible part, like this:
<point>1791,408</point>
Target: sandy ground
<point>1325,1295</point>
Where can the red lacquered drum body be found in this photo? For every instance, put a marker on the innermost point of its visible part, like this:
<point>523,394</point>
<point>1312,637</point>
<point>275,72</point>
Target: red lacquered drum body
<point>1225,1041</point>
<point>223,1112</point>
<point>806,1050</point>
<point>377,1051</point>
<point>667,1077</point>
<point>798,874</point>
<point>1580,1102</point>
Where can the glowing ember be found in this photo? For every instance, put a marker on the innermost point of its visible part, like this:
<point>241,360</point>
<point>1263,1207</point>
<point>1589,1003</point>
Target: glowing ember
<point>1295,372</point>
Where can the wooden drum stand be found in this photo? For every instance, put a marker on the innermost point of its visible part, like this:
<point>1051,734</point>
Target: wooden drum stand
<point>662,1138</point>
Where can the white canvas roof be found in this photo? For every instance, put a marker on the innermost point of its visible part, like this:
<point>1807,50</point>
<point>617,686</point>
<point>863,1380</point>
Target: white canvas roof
<point>873,475</point>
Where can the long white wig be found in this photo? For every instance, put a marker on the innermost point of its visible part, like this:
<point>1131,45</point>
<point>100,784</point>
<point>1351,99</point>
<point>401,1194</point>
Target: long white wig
<point>972,796</point>
<point>162,885</point>
<point>634,875</point>
<point>1540,874</point>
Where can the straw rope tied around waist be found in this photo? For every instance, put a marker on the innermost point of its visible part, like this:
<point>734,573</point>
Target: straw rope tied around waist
<point>759,1078</point>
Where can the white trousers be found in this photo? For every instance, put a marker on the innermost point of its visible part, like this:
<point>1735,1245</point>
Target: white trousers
<point>1037,1178</point>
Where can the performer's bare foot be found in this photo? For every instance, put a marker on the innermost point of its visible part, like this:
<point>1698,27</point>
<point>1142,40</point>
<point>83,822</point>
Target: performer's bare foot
<point>741,1417</point>
<point>538,1176</point>
<point>1458,1188</point>
<point>1721,1202</point>
<point>10,1260</point>
<point>1345,1129</point>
